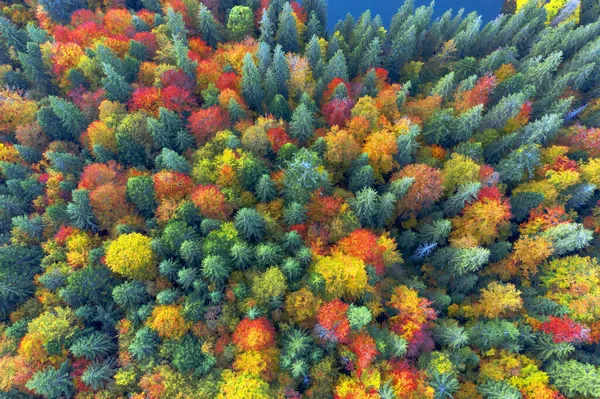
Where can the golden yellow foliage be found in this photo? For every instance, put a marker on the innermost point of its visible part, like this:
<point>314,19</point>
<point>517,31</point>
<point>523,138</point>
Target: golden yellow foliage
<point>168,322</point>
<point>131,256</point>
<point>345,276</point>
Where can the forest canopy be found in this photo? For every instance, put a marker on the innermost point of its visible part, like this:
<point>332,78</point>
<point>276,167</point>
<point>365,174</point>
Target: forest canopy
<point>225,199</point>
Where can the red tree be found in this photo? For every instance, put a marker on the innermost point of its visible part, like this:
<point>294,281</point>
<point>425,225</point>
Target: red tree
<point>205,123</point>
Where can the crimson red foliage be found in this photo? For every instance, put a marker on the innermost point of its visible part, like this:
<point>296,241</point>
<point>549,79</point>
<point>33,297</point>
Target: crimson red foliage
<point>145,99</point>
<point>177,77</point>
<point>338,111</point>
<point>278,137</point>
<point>148,39</point>
<point>205,123</point>
<point>228,80</point>
<point>177,99</point>
<point>564,329</point>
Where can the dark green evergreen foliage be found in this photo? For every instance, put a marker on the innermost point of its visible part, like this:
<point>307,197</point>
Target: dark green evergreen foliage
<point>460,261</point>
<point>130,294</point>
<point>209,28</point>
<point>366,206</point>
<point>170,160</point>
<point>215,269</point>
<point>186,277</point>
<point>465,194</point>
<point>361,178</point>
<point>140,191</point>
<point>168,130</point>
<point>265,189</point>
<point>175,233</point>
<point>116,86</point>
<point>18,266</point>
<point>451,335</point>
<point>80,211</point>
<point>92,285</point>
<point>499,334</point>
<point>280,108</point>
<point>287,33</point>
<point>547,350</point>
<point>314,57</point>
<point>444,384</point>
<point>188,357</point>
<point>144,344</point>
<point>298,353</point>
<point>94,346</point>
<point>250,224</point>
<point>336,68</point>
<point>52,383</point>
<point>251,85</point>
<point>302,177</point>
<point>98,374</point>
<point>267,30</point>
<point>34,68</point>
<point>268,254</point>
<point>64,162</point>
<point>498,390</point>
<point>294,213</point>
<point>242,255</point>
<point>302,124</point>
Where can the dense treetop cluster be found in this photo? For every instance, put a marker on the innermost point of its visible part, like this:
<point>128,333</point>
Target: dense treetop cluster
<point>222,199</point>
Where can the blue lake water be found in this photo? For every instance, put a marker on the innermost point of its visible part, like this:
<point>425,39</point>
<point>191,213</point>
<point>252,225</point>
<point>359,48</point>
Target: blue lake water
<point>338,9</point>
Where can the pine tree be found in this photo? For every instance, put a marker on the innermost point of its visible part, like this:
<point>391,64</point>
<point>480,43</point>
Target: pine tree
<point>35,69</point>
<point>95,346</point>
<point>314,57</point>
<point>61,10</point>
<point>303,176</point>
<point>265,189</point>
<point>209,28</point>
<point>144,343</point>
<point>294,213</point>
<point>266,30</point>
<point>372,57</point>
<point>264,56</point>
<point>242,255</point>
<point>80,211</point>
<point>166,128</point>
<point>361,178</point>
<point>117,88</point>
<point>251,87</point>
<point>336,68</point>
<point>172,161</point>
<point>52,383</point>
<point>71,118</point>
<point>366,206</point>
<point>140,191</point>
<point>98,374</point>
<point>235,110</point>
<point>182,58</point>
<point>314,26</point>
<point>215,269</point>
<point>287,32</point>
<point>280,108</point>
<point>250,224</point>
<point>302,124</point>
<point>130,294</point>
<point>281,69</point>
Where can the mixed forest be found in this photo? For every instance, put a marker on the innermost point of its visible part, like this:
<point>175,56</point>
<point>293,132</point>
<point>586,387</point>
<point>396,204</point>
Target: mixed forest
<point>223,199</point>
